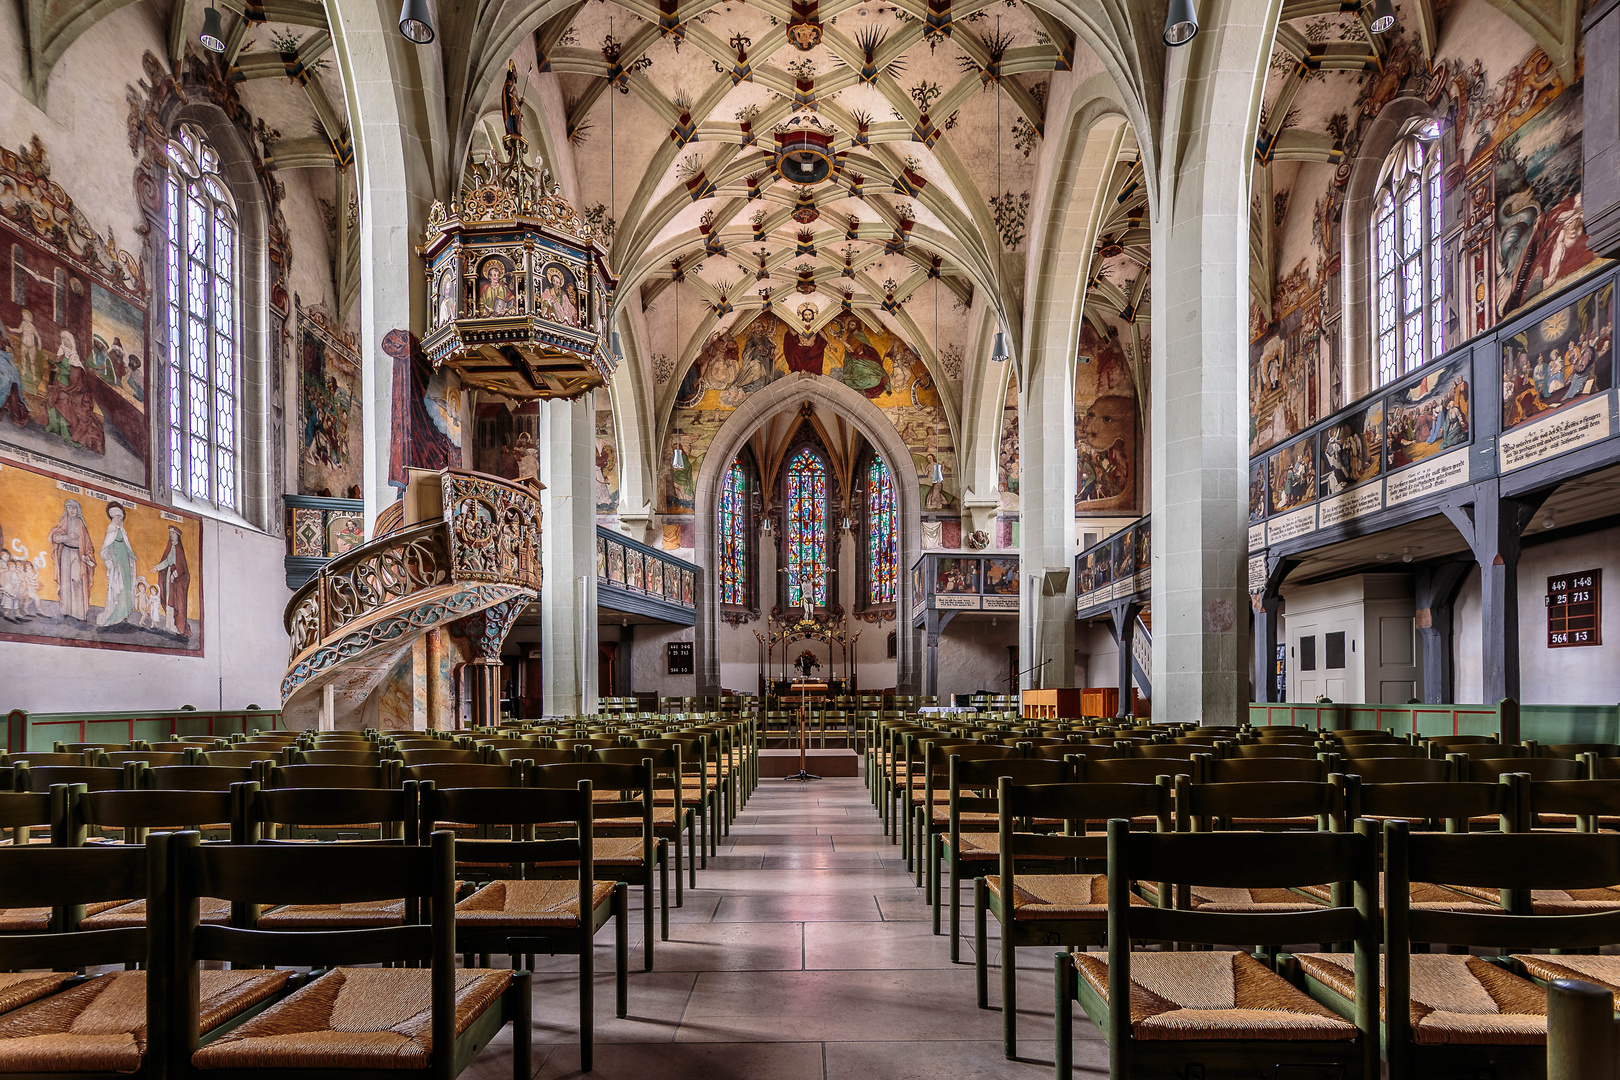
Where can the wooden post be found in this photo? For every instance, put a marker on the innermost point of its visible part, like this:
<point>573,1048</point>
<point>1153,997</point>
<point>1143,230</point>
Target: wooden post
<point>1580,1031</point>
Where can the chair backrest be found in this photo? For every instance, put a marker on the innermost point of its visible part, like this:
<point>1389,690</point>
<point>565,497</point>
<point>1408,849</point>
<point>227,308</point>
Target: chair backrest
<point>38,758</point>
<point>1258,770</point>
<point>385,775</point>
<point>1575,750</point>
<point>154,758</point>
<point>194,777</point>
<point>336,757</point>
<point>139,811</point>
<point>1244,804</point>
<point>95,778</point>
<point>1589,800</point>
<point>237,759</point>
<point>519,810</point>
<point>1374,748</point>
<point>446,756</point>
<point>1537,768</point>
<point>359,813</point>
<point>1076,805</point>
<point>1450,805</point>
<point>65,879</point>
<point>20,812</point>
<point>1134,770</point>
<point>540,755</point>
<point>1288,749</point>
<point>460,776</point>
<point>1400,770</point>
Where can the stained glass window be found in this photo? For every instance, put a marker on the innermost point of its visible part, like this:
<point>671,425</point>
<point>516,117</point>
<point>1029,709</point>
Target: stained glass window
<point>1408,277</point>
<point>881,547</point>
<point>200,284</point>
<point>734,536</point>
<point>807,528</point>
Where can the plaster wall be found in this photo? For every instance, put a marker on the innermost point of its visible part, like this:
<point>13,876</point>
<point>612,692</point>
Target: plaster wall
<point>1588,675</point>
<point>973,656</point>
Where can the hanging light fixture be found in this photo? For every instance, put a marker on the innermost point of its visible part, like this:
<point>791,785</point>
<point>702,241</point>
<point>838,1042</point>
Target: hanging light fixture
<point>1181,22</point>
<point>937,476</point>
<point>416,22</point>
<point>998,347</point>
<point>1383,17</point>
<point>677,460</point>
<point>213,31</point>
<point>617,346</point>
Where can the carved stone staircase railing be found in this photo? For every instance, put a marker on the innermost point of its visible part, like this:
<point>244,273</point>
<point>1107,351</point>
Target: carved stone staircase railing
<point>466,549</point>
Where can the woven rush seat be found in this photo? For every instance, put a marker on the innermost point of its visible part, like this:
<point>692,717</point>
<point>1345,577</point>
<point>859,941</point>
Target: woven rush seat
<point>1058,896</point>
<point>1602,970</point>
<point>211,912</point>
<point>662,815</point>
<point>1456,1000</point>
<point>1553,901</point>
<point>1215,996</point>
<point>609,851</point>
<point>359,915</point>
<point>528,903</point>
<point>353,1018</point>
<point>37,920</point>
<point>1240,901</point>
<point>100,1025</point>
<point>1422,896</point>
<point>18,988</point>
<point>942,816</point>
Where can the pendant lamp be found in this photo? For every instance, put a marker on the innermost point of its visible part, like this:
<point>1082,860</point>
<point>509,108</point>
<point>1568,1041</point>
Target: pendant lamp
<point>416,22</point>
<point>1181,22</point>
<point>213,33</point>
<point>1383,17</point>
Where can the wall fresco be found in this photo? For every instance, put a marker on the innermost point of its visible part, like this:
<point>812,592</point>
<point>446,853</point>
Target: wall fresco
<point>1104,425</point>
<point>1429,417</point>
<point>1566,357</point>
<point>329,406</point>
<point>1352,451</point>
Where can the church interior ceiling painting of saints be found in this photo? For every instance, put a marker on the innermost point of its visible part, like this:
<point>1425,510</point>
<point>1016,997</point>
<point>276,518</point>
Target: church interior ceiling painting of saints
<point>879,364</point>
<point>1105,425</point>
<point>1564,358</point>
<point>85,567</point>
<point>74,377</point>
<point>329,404</point>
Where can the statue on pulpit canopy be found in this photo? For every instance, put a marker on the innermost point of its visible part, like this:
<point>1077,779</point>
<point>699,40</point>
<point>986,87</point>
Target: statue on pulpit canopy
<point>512,104</point>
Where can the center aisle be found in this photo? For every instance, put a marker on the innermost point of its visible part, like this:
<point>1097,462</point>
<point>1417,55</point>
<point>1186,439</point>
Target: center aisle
<point>804,954</point>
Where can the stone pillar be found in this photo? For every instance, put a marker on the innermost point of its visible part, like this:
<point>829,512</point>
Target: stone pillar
<point>438,703</point>
<point>1266,607</point>
<point>624,685</point>
<point>1436,590</point>
<point>1200,405</point>
<point>568,555</point>
<point>486,630</point>
<point>328,717</point>
<point>1047,479</point>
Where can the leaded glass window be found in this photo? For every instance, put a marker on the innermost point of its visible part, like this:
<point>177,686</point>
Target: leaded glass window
<point>1408,279</point>
<point>200,291</point>
<point>733,528</point>
<point>807,529</point>
<point>882,552</point>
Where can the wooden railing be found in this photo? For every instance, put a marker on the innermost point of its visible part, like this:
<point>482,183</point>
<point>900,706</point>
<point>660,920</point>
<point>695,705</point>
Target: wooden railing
<point>476,545</point>
<point>1512,721</point>
<point>40,731</point>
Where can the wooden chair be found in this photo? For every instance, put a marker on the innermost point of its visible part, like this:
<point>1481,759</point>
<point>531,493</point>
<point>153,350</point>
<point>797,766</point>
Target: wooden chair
<point>43,758</point>
<point>626,844</point>
<point>297,756</point>
<point>237,759</point>
<point>519,916</point>
<point>433,1018</point>
<point>697,797</point>
<point>152,759</point>
<point>1399,770</point>
<point>1061,903</point>
<point>1133,770</point>
<point>931,818</point>
<point>384,775</point>
<point>93,777</point>
<point>1455,1014</point>
<point>1225,1013</point>
<point>1380,751</point>
<point>1311,770</point>
<point>673,819</point>
<point>117,1024</point>
<point>443,755</point>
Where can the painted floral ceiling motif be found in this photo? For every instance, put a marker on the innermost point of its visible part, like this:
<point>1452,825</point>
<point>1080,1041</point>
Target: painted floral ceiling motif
<point>690,124</point>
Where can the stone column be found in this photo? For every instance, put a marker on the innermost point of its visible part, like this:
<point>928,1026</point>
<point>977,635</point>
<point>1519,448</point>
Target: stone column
<point>1200,405</point>
<point>568,555</point>
<point>486,630</point>
<point>438,695</point>
<point>1047,478</point>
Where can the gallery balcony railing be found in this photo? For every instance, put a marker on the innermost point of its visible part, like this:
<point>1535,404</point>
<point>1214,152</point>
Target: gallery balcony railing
<point>955,582</point>
<point>635,578</point>
<point>1529,403</point>
<point>319,529</point>
<point>459,543</point>
<point>1115,569</point>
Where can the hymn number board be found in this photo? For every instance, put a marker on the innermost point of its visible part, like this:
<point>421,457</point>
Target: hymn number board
<point>680,658</point>
<point>1575,609</point>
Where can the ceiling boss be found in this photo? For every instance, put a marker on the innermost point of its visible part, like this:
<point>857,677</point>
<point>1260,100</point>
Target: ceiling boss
<point>519,295</point>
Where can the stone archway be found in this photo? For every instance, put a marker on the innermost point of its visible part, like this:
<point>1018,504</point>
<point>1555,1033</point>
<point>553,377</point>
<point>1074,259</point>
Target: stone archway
<point>866,418</point>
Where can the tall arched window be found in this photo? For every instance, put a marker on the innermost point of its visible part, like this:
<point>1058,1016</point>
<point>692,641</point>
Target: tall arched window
<point>733,536</point>
<point>1407,263</point>
<point>807,528</point>
<point>200,290</point>
<point>882,548</point>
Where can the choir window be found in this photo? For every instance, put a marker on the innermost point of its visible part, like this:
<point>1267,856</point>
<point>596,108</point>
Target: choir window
<point>807,529</point>
<point>882,547</point>
<point>1407,263</point>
